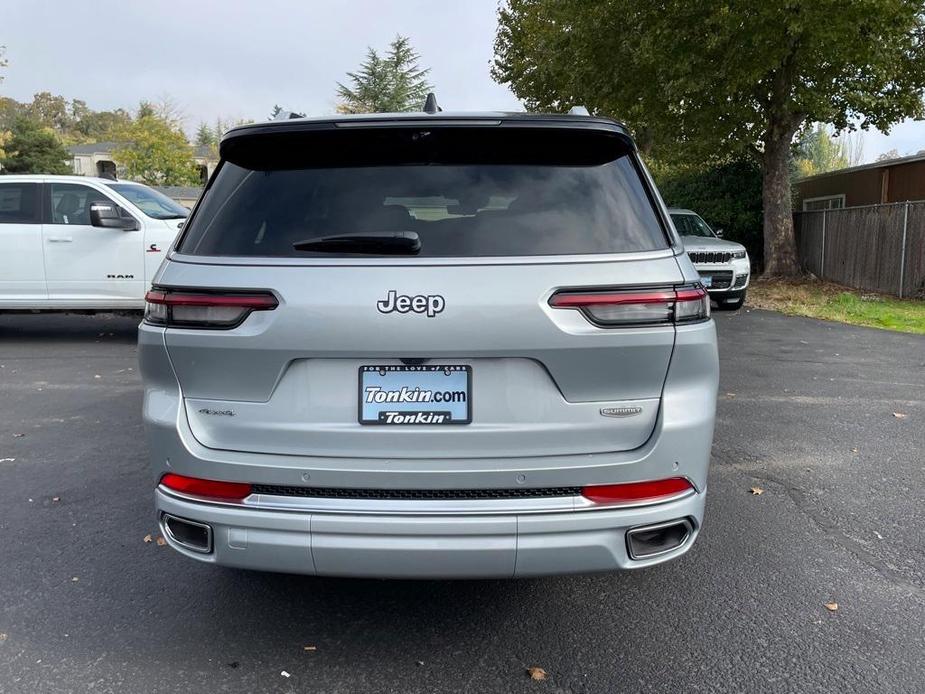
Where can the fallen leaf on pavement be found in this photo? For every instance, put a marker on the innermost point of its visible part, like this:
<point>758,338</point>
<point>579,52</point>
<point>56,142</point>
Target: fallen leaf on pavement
<point>900,415</point>
<point>2,637</point>
<point>18,436</point>
<point>854,450</point>
<point>536,673</point>
<point>756,491</point>
<point>160,541</point>
<point>75,579</point>
<point>309,648</point>
<point>831,606</point>
<point>147,538</point>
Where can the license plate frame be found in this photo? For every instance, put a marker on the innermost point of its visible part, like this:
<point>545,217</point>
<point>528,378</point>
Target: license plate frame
<point>414,413</point>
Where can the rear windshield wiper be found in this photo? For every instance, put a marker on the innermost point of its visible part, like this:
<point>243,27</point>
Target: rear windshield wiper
<point>397,242</point>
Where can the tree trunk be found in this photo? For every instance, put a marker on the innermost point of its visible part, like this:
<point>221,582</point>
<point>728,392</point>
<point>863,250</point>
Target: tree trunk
<point>780,248</point>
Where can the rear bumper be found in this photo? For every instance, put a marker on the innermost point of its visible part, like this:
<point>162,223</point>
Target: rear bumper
<point>431,546</point>
<point>424,541</point>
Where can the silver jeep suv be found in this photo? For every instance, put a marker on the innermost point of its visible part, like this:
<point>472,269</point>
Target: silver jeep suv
<point>429,345</point>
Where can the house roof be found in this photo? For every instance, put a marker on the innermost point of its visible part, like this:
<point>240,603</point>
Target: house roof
<point>863,167</point>
<point>93,148</point>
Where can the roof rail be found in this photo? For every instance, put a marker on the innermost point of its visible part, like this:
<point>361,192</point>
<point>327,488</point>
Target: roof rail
<point>578,111</point>
<point>430,104</point>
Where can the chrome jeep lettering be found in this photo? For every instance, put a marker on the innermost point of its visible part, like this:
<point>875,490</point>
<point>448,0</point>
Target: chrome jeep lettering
<point>429,304</point>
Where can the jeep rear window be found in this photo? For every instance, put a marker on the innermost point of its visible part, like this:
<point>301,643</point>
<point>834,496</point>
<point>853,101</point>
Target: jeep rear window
<point>467,192</point>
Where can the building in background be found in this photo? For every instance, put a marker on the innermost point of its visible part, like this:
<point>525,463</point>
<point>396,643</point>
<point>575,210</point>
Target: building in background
<point>185,195</point>
<point>891,180</point>
<point>95,159</point>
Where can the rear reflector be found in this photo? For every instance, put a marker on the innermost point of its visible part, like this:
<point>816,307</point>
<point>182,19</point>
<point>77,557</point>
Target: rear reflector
<point>203,309</point>
<point>641,307</point>
<point>234,491</point>
<point>637,492</point>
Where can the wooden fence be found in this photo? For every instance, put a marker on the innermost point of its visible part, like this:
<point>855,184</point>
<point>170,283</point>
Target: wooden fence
<point>875,247</point>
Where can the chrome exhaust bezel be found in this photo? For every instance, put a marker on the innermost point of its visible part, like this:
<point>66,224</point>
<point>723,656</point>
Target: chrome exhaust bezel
<point>165,517</point>
<point>686,522</point>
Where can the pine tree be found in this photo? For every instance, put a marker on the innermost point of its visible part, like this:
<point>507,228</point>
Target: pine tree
<point>34,149</point>
<point>389,84</point>
<point>205,135</point>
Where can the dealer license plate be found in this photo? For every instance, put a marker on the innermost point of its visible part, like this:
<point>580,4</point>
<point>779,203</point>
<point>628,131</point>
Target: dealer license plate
<point>427,394</point>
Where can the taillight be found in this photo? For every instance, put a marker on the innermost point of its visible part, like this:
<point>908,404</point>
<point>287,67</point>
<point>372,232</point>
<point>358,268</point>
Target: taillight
<point>651,491</point>
<point>228,491</point>
<point>637,307</point>
<point>188,308</point>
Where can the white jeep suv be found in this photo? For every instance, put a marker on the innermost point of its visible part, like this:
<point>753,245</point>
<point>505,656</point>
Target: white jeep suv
<point>723,265</point>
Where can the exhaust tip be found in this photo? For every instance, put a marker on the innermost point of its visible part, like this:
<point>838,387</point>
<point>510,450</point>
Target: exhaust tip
<point>649,541</point>
<point>196,537</point>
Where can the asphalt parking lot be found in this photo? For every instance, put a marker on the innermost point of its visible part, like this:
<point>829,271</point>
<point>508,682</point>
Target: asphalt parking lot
<point>806,414</point>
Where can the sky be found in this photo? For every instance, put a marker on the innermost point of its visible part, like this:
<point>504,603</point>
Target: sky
<point>237,59</point>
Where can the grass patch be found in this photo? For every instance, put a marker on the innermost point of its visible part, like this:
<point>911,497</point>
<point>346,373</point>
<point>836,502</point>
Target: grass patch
<point>834,302</point>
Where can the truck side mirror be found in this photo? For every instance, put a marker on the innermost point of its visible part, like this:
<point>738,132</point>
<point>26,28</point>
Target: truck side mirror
<point>109,216</point>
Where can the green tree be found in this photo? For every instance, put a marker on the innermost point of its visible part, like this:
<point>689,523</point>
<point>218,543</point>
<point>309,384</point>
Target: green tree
<point>34,149</point>
<point>388,84</point>
<point>51,110</point>
<point>204,135</point>
<point>155,152</point>
<point>818,152</point>
<point>277,109</point>
<point>709,79</point>
<point>99,126</point>
<point>727,196</point>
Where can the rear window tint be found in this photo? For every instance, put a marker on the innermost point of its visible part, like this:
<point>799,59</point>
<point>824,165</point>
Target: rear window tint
<point>19,203</point>
<point>476,195</point>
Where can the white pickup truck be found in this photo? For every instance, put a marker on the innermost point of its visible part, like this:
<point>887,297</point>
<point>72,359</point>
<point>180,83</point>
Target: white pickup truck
<point>79,243</point>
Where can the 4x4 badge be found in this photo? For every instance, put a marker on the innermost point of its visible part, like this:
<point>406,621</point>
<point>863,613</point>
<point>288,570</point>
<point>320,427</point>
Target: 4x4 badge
<point>431,304</point>
<point>620,411</point>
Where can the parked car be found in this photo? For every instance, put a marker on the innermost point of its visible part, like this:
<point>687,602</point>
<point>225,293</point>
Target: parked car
<point>723,265</point>
<point>429,345</point>
<point>77,243</point>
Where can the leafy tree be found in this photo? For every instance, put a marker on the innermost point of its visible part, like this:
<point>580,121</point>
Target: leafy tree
<point>277,109</point>
<point>819,152</point>
<point>51,111</point>
<point>155,152</point>
<point>388,84</point>
<point>146,109</point>
<point>3,61</point>
<point>34,149</point>
<point>100,125</point>
<point>708,79</point>
<point>9,110</point>
<point>891,154</point>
